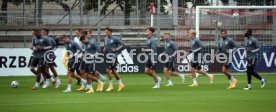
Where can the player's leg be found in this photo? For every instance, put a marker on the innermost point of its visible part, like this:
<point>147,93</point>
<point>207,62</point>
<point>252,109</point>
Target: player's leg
<point>154,74</point>
<point>249,78</point>
<point>194,66</point>
<point>156,77</point>
<point>33,67</point>
<point>40,68</point>
<point>78,73</point>
<point>69,82</point>
<point>211,76</point>
<point>99,82</point>
<point>149,69</point>
<point>232,80</point>
<point>117,76</point>
<point>78,78</point>
<point>251,71</point>
<point>53,70</point>
<point>82,71</point>
<point>167,75</point>
<point>89,83</point>
<point>45,72</point>
<point>100,76</point>
<point>180,75</point>
<point>34,62</point>
<point>115,73</point>
<point>171,71</point>
<point>193,72</point>
<point>82,75</point>
<point>108,72</point>
<point>256,75</point>
<point>90,69</point>
<point>170,83</point>
<point>70,75</point>
<point>149,72</point>
<point>56,78</point>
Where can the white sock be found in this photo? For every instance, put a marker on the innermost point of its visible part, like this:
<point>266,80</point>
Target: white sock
<point>158,77</point>
<point>111,82</point>
<point>194,81</point>
<point>99,82</point>
<point>208,74</point>
<point>120,81</point>
<point>249,85</point>
<point>36,84</point>
<point>83,80</point>
<point>170,81</point>
<point>47,81</point>
<point>52,79</point>
<point>57,79</point>
<point>90,86</point>
<point>263,80</point>
<point>232,78</point>
<point>101,75</point>
<point>41,76</point>
<point>69,86</point>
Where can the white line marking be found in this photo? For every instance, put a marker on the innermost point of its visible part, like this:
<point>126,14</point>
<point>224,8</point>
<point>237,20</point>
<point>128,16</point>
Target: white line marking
<point>50,103</point>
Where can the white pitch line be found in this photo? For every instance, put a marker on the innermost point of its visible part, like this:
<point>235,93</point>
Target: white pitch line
<point>50,103</point>
<point>47,103</point>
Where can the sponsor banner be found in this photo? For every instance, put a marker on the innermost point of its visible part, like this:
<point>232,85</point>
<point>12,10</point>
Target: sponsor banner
<point>16,61</point>
<point>266,60</point>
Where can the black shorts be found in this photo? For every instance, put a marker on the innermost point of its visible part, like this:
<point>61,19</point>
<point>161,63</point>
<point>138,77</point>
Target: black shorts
<point>196,65</point>
<point>227,64</point>
<point>52,64</point>
<point>37,62</point>
<point>90,68</point>
<point>82,65</point>
<point>150,65</point>
<point>72,66</point>
<point>251,62</point>
<point>170,66</point>
<point>113,65</point>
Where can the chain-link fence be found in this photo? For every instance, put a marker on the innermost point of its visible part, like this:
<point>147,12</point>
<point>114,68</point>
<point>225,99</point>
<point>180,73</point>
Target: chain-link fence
<point>129,18</point>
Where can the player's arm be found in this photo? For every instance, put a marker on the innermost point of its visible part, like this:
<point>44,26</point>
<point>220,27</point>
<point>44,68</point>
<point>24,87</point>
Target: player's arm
<point>200,46</point>
<point>218,50</point>
<point>97,47</point>
<point>78,48</point>
<point>33,45</point>
<point>153,46</point>
<point>175,50</point>
<point>54,44</point>
<point>234,46</point>
<point>256,45</point>
<point>120,44</point>
<point>48,45</point>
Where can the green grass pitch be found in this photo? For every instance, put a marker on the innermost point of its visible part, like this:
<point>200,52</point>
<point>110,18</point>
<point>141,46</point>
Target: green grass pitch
<point>138,96</point>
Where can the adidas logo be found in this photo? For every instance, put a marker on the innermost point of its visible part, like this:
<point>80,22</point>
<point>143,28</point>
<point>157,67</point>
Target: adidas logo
<point>126,63</point>
<point>185,65</point>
